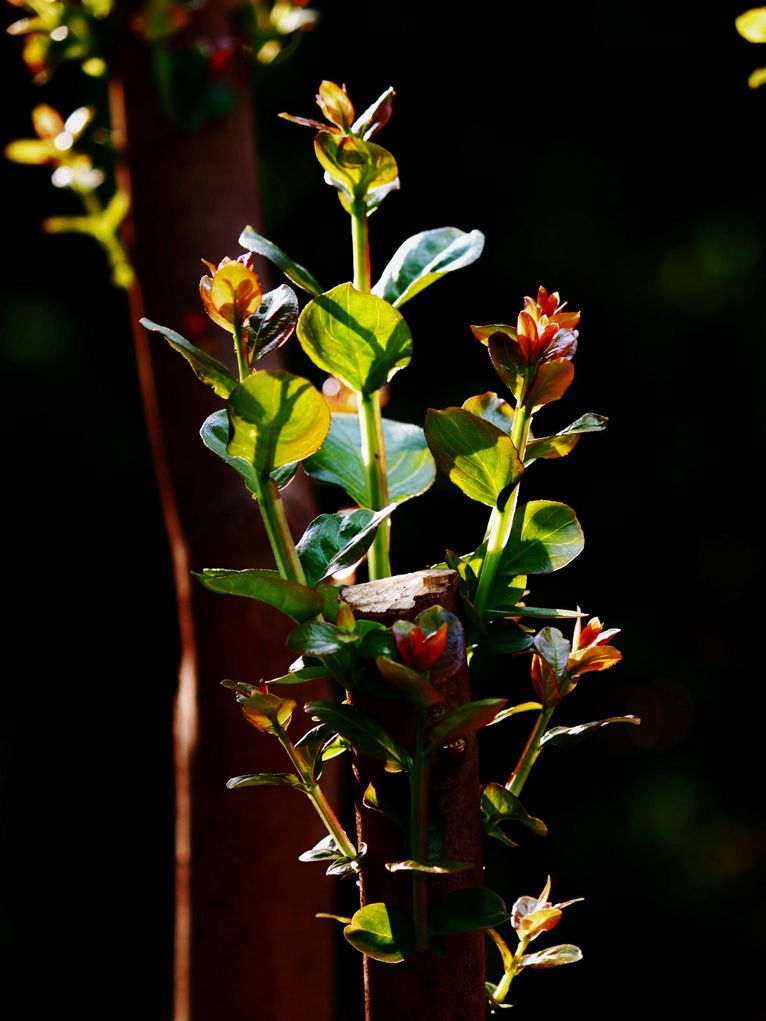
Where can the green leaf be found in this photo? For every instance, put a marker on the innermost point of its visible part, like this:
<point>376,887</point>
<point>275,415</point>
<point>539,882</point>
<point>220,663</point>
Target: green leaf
<point>424,258</point>
<point>499,806</point>
<point>546,536</point>
<point>409,465</point>
<point>375,117</point>
<point>207,368</point>
<point>463,719</point>
<point>265,780</point>
<point>364,733</point>
<point>215,436</point>
<point>475,455</point>
<point>302,675</point>
<point>523,707</point>
<point>276,418</point>
<point>539,612</point>
<point>357,337</point>
<point>300,276</point>
<point>410,685</point>
<point>551,957</point>
<point>319,638</point>
<point>296,601</point>
<point>354,165</point>
<point>554,648</point>
<point>492,409</point>
<point>466,910</point>
<point>311,746</point>
<point>562,443</point>
<point>563,737</point>
<point>272,323</point>
<point>382,933</point>
<point>325,850</point>
<point>439,868</point>
<point>335,542</point>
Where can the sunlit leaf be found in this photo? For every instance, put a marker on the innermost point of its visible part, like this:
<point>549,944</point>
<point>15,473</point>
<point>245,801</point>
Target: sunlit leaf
<point>375,117</point>
<point>552,957</point>
<point>265,780</point>
<point>336,542</point>
<point>355,336</point>
<point>334,103</point>
<point>562,737</point>
<point>546,536</point>
<point>492,409</point>
<point>231,295</point>
<point>551,382</point>
<point>466,910</point>
<point>757,78</point>
<point>554,648</point>
<point>562,443</point>
<point>476,456</point>
<point>752,25</point>
<point>522,707</point>
<point>382,933</point>
<point>439,868</point>
<point>354,164</point>
<point>276,418</point>
<point>364,733</point>
<point>294,600</point>
<point>409,465</point>
<point>207,368</point>
<point>29,150</point>
<point>215,436</point>
<point>267,712</point>
<point>463,719</point>
<point>254,242</point>
<point>325,850</point>
<point>424,258</point>
<point>272,324</point>
<point>507,359</point>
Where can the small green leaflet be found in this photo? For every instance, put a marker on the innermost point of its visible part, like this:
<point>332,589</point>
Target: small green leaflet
<point>207,368</point>
<point>424,258</point>
<point>382,933</point>
<point>300,276</point>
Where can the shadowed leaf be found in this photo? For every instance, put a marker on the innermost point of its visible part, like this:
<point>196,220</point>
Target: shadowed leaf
<point>296,601</point>
<point>466,910</point>
<point>207,368</point>
<point>409,465</point>
<point>300,276</point>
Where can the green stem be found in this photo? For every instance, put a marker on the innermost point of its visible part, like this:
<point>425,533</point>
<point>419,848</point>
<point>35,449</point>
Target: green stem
<point>370,418</point>
<point>316,797</point>
<point>278,531</point>
<point>419,833</point>
<point>374,459</point>
<point>528,757</point>
<point>510,964</point>
<point>501,522</point>
<point>239,351</point>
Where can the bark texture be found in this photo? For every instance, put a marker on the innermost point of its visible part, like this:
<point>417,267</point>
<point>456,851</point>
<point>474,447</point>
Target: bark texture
<point>245,928</point>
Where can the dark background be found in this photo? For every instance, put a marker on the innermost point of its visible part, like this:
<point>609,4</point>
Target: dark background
<point>611,152</point>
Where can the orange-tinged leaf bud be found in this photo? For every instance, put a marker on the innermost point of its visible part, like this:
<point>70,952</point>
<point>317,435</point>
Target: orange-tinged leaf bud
<point>47,122</point>
<point>232,294</point>
<point>334,103</point>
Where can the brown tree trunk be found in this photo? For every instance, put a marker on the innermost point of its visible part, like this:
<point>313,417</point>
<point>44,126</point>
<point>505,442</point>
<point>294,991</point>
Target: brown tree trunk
<point>449,988</point>
<point>247,943</point>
